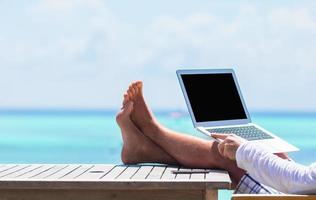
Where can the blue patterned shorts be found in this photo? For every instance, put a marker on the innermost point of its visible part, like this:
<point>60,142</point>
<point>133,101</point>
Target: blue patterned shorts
<point>248,185</point>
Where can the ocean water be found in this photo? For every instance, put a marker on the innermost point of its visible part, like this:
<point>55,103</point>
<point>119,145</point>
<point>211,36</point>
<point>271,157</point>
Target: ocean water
<point>93,137</point>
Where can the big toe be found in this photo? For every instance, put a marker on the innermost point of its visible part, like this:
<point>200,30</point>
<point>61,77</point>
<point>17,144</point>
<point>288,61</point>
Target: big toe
<point>139,85</point>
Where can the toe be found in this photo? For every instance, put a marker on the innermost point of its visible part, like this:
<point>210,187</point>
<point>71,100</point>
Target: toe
<point>126,99</point>
<point>135,89</point>
<point>130,92</point>
<point>140,86</point>
<point>130,95</point>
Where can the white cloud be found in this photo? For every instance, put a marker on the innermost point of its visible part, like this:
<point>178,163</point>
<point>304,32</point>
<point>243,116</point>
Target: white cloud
<point>54,6</point>
<point>87,55</point>
<point>299,19</point>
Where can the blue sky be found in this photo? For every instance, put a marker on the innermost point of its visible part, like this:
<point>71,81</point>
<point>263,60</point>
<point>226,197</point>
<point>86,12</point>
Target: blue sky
<point>83,53</point>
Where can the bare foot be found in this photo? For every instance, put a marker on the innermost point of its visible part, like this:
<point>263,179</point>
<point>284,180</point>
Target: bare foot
<point>141,115</point>
<point>137,148</point>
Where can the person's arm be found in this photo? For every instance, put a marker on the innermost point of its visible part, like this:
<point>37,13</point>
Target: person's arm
<point>269,169</point>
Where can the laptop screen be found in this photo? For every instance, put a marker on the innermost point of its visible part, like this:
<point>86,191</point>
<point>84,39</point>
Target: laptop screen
<point>213,97</point>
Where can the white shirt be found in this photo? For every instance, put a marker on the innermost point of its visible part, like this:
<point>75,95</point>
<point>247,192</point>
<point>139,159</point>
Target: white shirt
<point>283,175</point>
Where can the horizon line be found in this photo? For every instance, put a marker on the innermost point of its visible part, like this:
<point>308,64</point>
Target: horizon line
<point>111,111</point>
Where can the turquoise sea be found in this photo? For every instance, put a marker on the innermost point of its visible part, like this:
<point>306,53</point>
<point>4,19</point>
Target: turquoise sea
<point>93,137</point>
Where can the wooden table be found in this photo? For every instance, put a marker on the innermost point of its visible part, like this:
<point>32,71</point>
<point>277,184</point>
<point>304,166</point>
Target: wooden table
<point>96,182</point>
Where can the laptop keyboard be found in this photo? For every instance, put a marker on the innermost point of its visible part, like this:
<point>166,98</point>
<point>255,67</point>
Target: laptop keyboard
<point>246,132</point>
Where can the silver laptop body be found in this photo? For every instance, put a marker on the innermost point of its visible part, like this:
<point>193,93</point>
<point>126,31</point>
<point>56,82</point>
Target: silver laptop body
<point>215,104</point>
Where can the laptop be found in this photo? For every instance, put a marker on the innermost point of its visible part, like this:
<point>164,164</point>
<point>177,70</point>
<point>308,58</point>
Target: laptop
<point>216,105</point>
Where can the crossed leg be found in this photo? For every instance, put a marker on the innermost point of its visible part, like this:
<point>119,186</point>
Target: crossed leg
<point>173,147</point>
<point>137,148</point>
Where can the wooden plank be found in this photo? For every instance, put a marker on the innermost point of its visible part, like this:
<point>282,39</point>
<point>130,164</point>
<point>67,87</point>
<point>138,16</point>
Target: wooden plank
<point>120,176</point>
<point>35,172</point>
<point>183,176</point>
<point>22,172</point>
<point>7,167</point>
<point>115,172</point>
<point>217,176</point>
<point>199,176</point>
<point>77,172</point>
<point>142,173</point>
<point>218,179</point>
<point>210,194</point>
<point>13,170</point>
<point>63,172</point>
<point>58,169</point>
<point>82,194</point>
<point>168,175</point>
<point>96,172</point>
<point>129,172</point>
<point>49,172</point>
<point>156,173</point>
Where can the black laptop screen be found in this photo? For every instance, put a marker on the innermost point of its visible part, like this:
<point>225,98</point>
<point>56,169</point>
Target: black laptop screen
<point>213,97</point>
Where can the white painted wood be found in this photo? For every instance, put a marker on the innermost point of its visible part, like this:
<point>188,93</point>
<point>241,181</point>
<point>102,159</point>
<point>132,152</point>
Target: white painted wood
<point>183,176</point>
<point>142,173</point>
<point>128,173</point>
<point>13,170</point>
<point>114,173</point>
<point>63,172</point>
<point>7,167</point>
<point>168,175</point>
<point>96,172</point>
<point>156,173</point>
<point>35,172</point>
<point>217,176</point>
<point>22,172</point>
<point>77,172</point>
<point>199,176</point>
<point>110,177</point>
<point>57,169</point>
<point>49,172</point>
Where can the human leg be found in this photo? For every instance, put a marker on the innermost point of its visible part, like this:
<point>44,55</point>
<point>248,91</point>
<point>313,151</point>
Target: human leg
<point>137,148</point>
<point>189,151</point>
